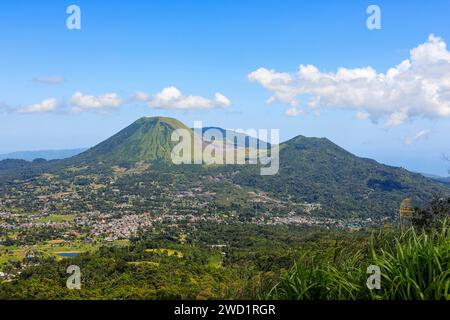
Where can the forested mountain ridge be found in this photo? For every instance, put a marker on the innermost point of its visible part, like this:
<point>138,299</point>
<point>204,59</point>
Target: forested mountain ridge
<point>313,171</point>
<point>317,170</point>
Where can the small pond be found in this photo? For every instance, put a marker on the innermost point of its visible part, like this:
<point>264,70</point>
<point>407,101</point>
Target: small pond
<point>67,254</point>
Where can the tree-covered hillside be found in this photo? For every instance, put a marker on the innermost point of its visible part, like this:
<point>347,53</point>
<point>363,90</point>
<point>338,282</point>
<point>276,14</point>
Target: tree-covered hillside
<point>147,139</point>
<point>315,170</point>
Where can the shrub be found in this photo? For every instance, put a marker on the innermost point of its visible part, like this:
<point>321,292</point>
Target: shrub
<point>415,265</point>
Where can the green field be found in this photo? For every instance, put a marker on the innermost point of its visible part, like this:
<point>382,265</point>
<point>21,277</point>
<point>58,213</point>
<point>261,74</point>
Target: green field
<point>57,218</point>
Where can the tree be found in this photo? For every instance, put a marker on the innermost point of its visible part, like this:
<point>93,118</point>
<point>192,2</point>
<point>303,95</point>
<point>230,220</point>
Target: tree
<point>437,210</point>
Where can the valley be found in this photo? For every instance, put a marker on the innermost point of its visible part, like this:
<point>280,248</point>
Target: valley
<point>125,194</point>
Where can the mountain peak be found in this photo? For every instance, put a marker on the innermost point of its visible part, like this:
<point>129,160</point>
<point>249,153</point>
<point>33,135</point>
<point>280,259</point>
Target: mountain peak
<point>302,142</point>
<point>165,120</point>
<point>147,139</point>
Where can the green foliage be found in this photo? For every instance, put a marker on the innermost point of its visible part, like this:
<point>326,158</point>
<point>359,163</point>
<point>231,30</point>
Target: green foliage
<point>149,269</point>
<point>275,262</point>
<point>321,277</point>
<point>432,214</point>
<point>415,265</point>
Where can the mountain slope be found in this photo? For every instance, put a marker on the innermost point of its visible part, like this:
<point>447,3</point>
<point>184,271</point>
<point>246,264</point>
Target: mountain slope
<point>312,171</point>
<point>147,139</point>
<point>315,170</point>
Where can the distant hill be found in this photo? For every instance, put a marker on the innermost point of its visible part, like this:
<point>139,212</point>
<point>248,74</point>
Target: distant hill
<point>445,180</point>
<point>315,170</point>
<point>42,154</point>
<point>242,140</point>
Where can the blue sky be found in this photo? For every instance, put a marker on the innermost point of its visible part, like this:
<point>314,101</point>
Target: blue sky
<point>207,47</point>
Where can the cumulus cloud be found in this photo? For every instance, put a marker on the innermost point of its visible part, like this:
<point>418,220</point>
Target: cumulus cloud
<point>140,96</point>
<point>421,135</point>
<point>172,98</point>
<point>81,102</point>
<point>168,98</point>
<point>417,87</point>
<point>221,100</point>
<point>45,106</point>
<point>53,80</point>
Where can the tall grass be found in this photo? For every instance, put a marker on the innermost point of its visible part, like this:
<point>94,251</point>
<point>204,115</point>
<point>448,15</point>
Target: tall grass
<point>414,265</point>
<point>322,277</point>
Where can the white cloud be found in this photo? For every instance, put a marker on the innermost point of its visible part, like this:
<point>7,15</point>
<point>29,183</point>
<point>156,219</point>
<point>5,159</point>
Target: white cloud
<point>82,102</point>
<point>417,87</point>
<point>172,98</point>
<point>45,106</point>
<point>140,96</point>
<point>169,98</point>
<point>221,100</point>
<point>53,80</point>
<point>294,111</point>
<point>421,135</point>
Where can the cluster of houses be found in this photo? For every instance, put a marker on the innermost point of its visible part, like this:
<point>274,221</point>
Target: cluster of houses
<point>124,227</point>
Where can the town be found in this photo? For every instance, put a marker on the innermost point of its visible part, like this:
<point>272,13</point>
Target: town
<point>64,213</point>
